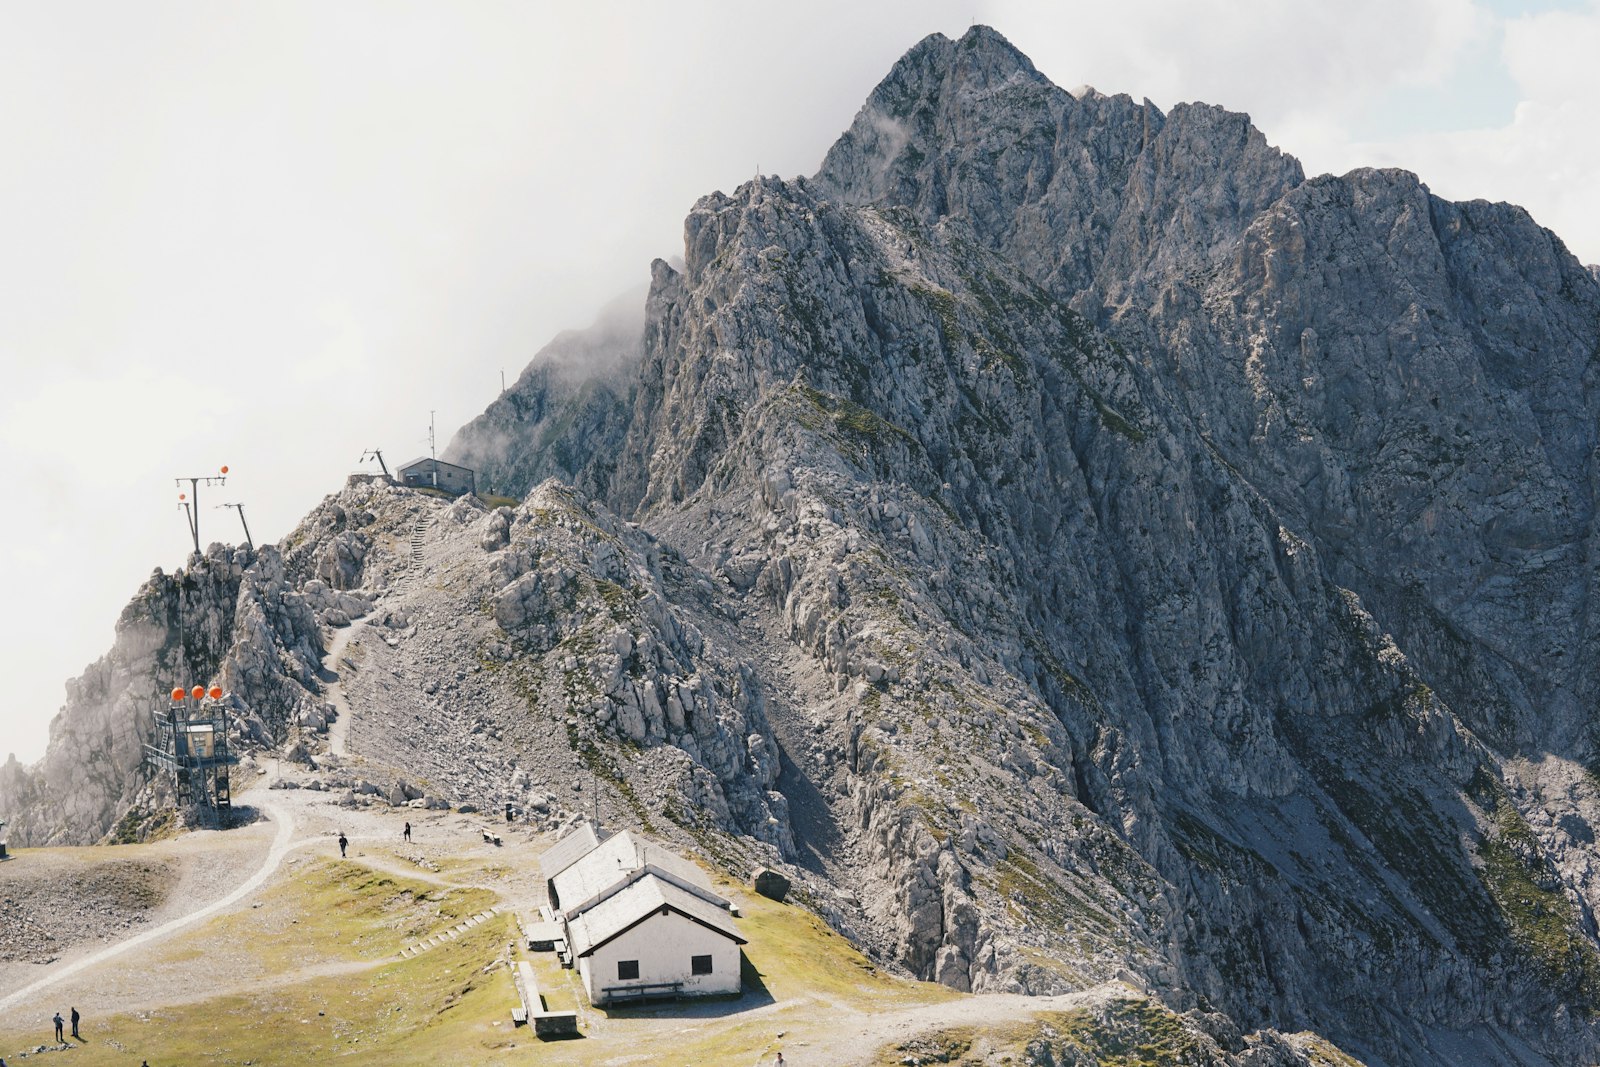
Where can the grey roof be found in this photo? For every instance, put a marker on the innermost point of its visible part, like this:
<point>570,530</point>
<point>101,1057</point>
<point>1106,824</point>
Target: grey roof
<point>600,871</point>
<point>569,850</point>
<point>638,902</point>
<point>420,460</point>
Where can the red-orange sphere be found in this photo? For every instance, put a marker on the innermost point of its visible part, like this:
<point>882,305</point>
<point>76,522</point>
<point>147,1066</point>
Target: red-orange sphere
<point>216,692</point>
<point>198,691</point>
<point>178,694</point>
<point>224,470</point>
<point>183,496</point>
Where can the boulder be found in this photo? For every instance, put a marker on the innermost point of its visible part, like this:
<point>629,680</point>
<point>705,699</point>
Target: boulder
<point>769,883</point>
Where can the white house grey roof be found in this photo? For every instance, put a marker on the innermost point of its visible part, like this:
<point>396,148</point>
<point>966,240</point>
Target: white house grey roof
<point>613,864</point>
<point>646,896</point>
<point>569,850</point>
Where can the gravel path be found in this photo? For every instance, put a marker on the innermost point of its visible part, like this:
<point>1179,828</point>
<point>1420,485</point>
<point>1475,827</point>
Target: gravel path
<point>281,844</point>
<point>339,729</point>
<point>857,1039</point>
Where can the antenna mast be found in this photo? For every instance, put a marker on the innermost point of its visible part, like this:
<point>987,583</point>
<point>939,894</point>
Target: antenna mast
<point>432,452</point>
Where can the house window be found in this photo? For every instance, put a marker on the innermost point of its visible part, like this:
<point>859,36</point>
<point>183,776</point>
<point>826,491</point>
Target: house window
<point>699,964</point>
<point>627,970</point>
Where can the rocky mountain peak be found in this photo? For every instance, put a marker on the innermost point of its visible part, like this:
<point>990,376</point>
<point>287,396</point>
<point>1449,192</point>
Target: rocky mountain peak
<point>980,60</point>
<point>1089,193</point>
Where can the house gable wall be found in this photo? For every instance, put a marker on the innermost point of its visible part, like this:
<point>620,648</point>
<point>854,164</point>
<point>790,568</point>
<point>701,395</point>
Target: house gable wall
<point>663,945</point>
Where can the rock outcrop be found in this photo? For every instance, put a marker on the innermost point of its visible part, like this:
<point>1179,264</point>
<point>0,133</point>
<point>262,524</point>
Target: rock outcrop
<point>232,618</point>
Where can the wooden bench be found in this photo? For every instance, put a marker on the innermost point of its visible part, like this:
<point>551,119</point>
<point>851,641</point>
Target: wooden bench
<point>491,838</point>
<point>612,994</point>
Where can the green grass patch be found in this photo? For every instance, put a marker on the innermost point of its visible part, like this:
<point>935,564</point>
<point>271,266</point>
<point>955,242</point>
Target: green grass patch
<point>436,1008</point>
<point>1034,897</point>
<point>852,418</point>
<point>333,910</point>
<point>1540,918</point>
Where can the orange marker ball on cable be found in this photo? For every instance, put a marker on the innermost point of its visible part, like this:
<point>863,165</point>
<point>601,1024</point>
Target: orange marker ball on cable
<point>198,691</point>
<point>178,694</point>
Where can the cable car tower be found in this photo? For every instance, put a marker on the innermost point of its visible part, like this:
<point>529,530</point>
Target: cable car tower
<point>191,504</point>
<point>189,741</point>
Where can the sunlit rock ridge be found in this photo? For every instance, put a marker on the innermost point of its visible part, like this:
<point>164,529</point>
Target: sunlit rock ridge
<point>1076,546</point>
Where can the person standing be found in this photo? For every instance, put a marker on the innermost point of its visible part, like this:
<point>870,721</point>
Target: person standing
<point>59,1037</point>
<point>407,833</point>
<point>344,842</point>
<point>75,1018</point>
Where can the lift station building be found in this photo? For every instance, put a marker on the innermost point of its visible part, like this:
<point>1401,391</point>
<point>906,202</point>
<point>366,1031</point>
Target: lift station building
<point>429,473</point>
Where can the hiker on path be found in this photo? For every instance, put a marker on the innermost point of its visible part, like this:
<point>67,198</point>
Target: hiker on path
<point>407,834</point>
<point>344,843</point>
<point>59,1038</point>
<point>75,1018</point>
<point>780,1061</point>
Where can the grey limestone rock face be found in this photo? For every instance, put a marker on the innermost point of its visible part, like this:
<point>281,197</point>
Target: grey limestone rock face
<point>1160,528</point>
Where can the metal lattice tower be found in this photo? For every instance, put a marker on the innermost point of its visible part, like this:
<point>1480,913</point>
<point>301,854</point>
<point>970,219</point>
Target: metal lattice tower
<point>189,741</point>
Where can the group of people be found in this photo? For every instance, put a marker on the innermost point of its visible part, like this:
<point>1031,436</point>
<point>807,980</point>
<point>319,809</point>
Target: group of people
<point>60,1022</point>
<point>344,843</point>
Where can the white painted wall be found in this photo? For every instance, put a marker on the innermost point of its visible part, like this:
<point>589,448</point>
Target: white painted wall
<point>663,944</point>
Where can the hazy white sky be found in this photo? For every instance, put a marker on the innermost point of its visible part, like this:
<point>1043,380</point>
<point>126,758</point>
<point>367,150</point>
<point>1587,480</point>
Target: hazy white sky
<point>274,235</point>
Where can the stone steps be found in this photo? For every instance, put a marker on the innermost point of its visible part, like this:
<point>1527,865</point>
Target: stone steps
<point>419,534</point>
<point>417,948</point>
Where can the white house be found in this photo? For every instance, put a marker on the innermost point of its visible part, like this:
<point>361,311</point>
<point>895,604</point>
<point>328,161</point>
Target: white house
<point>613,862</point>
<point>655,939</point>
<point>640,921</point>
<point>564,853</point>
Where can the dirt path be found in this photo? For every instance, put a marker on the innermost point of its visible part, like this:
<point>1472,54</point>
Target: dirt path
<point>339,729</point>
<point>159,999</point>
<point>856,1038</point>
<point>281,844</point>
